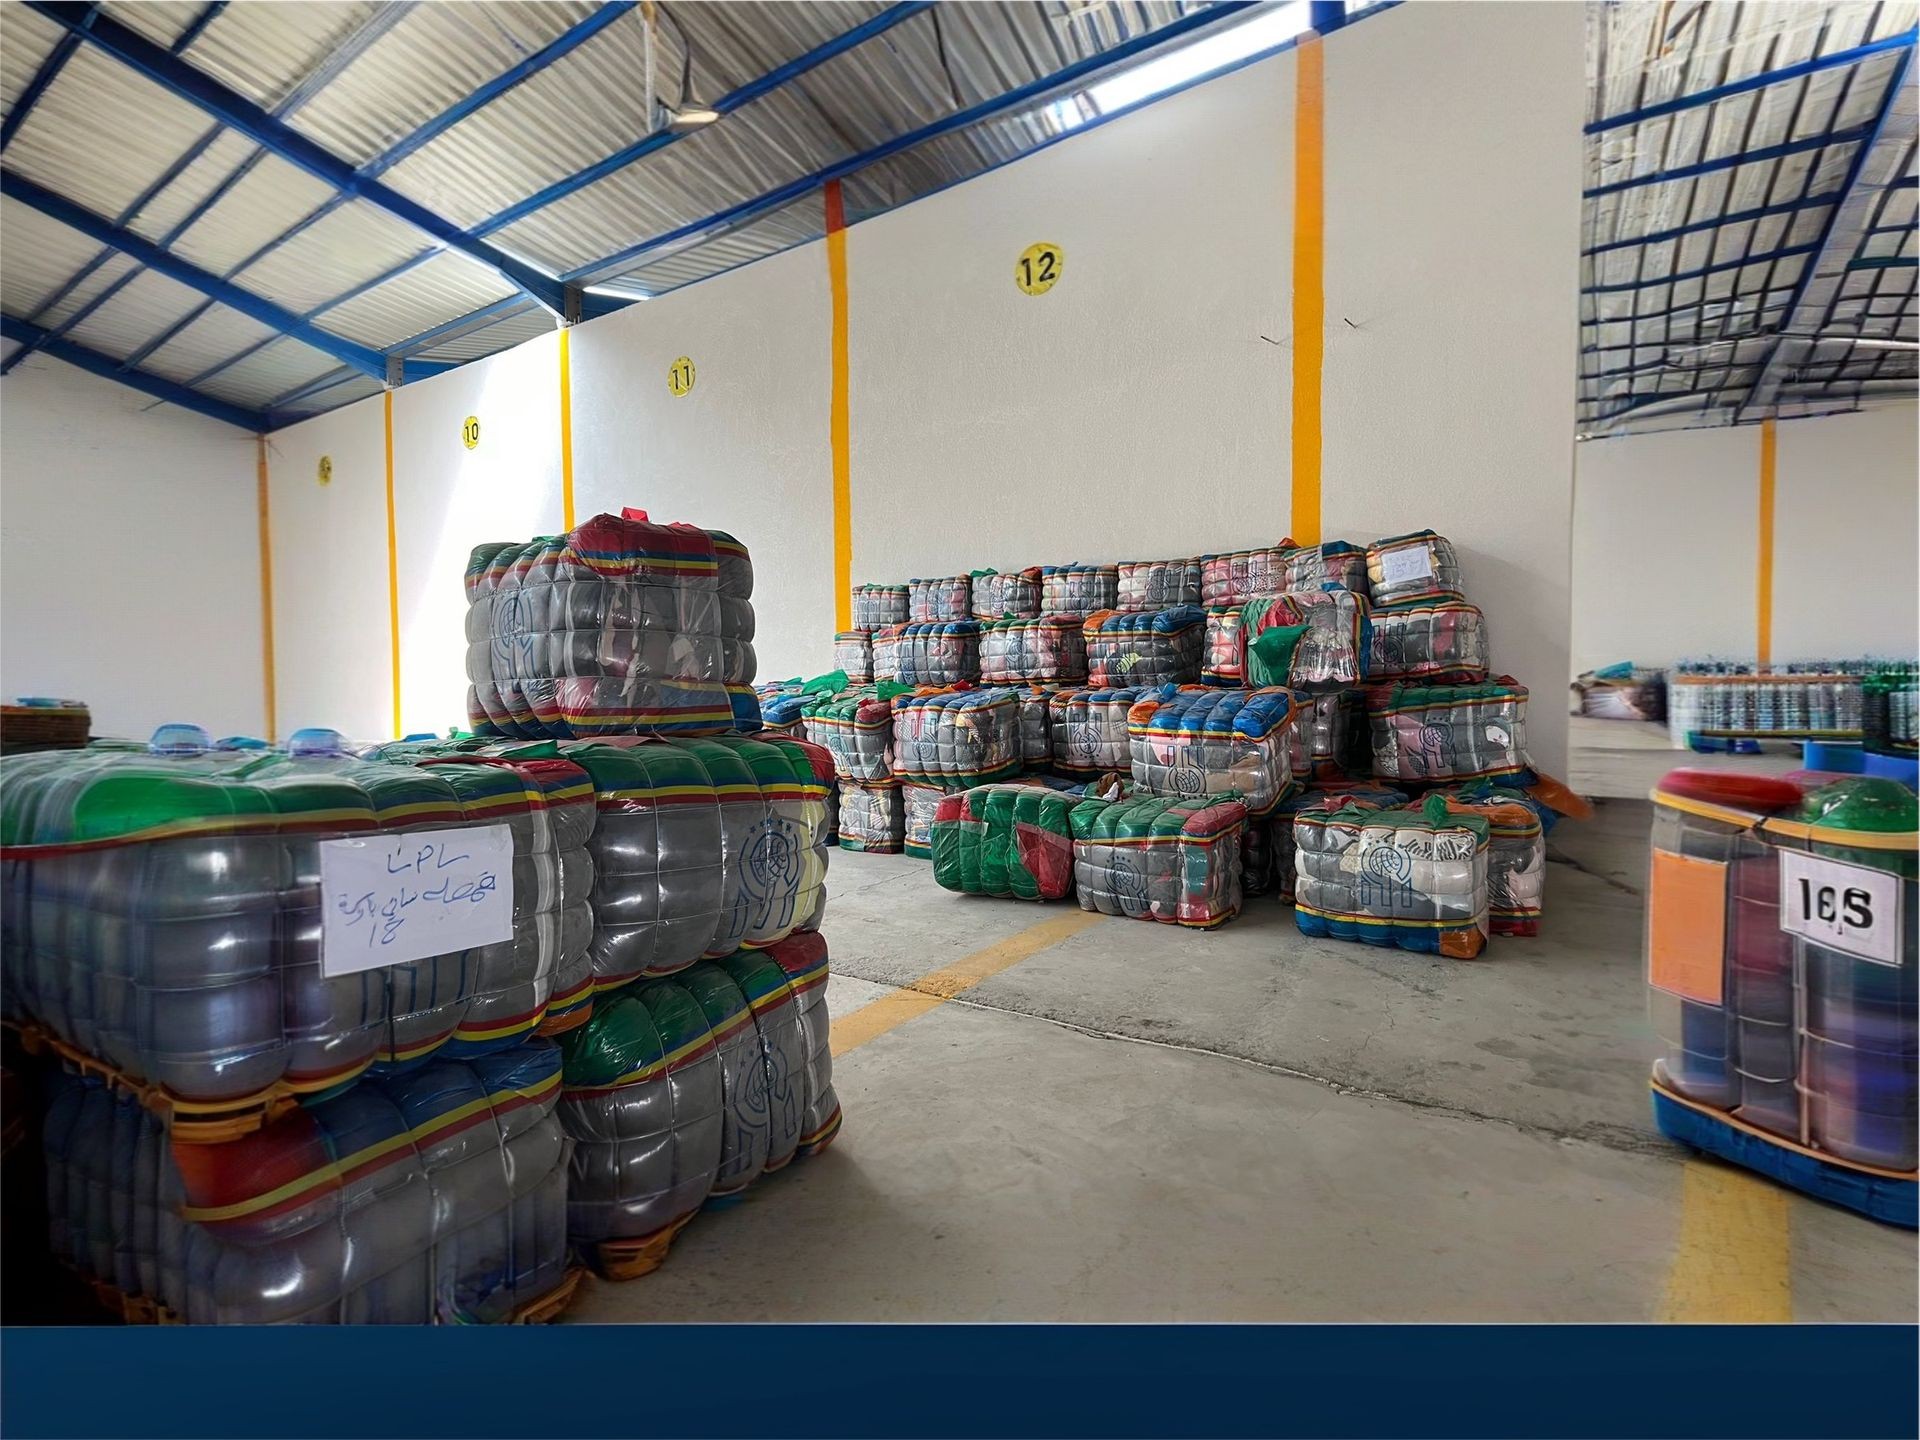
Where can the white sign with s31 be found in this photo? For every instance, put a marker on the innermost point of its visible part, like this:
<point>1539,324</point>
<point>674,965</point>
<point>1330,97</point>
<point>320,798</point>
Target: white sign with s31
<point>387,899</point>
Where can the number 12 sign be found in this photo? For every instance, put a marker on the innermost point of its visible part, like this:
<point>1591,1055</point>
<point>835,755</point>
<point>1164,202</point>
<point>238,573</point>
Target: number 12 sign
<point>1840,906</point>
<point>1038,267</point>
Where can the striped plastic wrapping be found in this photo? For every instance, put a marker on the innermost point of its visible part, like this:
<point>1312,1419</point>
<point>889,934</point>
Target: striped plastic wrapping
<point>1237,576</point>
<point>1333,650</point>
<point>1223,661</point>
<point>1145,647</point>
<point>1322,798</point>
<point>957,737</point>
<point>1048,647</point>
<point>853,653</point>
<point>1193,741</point>
<point>1438,734</point>
<point>1078,590</point>
<point>1415,878</point>
<point>1516,855</point>
<point>870,817</point>
<point>1036,724</point>
<point>1315,567</point>
<point>856,729</point>
<point>1418,566</point>
<point>1158,857</point>
<point>948,598</point>
<point>998,594</point>
<point>1013,841</point>
<point>1089,729</point>
<point>737,660</point>
<point>945,652</point>
<point>918,803</point>
<point>1156,584</point>
<point>1439,640</point>
<point>875,606</point>
<point>1329,739</point>
<point>785,712</point>
<point>616,627</point>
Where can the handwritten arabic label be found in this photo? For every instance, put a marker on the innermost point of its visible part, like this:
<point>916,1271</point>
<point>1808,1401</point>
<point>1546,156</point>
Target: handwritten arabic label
<point>393,898</point>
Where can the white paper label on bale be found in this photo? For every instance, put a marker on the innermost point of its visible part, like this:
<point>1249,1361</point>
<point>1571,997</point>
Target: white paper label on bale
<point>393,898</point>
<point>1840,906</point>
<point>1414,562</point>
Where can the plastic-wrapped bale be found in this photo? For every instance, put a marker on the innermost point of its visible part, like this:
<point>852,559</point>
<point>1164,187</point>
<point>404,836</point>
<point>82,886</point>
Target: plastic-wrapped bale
<point>875,606</point>
<point>1437,734</point>
<point>871,818</point>
<point>1516,855</point>
<point>1306,638</point>
<point>1329,739</point>
<point>945,652</point>
<point>1000,594</point>
<point>779,1088</point>
<point>807,809</point>
<point>1014,841</point>
<point>884,647</point>
<point>804,960</point>
<point>1048,647</point>
<point>1156,584</point>
<point>771,806</point>
<point>1158,857</point>
<point>853,653</point>
<point>1146,647</point>
<point>1193,741</point>
<point>1078,590</point>
<point>1237,576</point>
<point>434,1197</point>
<point>1419,566</point>
<point>917,806</point>
<point>613,628</point>
<point>857,730</point>
<point>948,598</point>
<point>737,661</point>
<point>961,737</point>
<point>1321,799</point>
<point>1089,729</point>
<point>1224,661</point>
<point>786,714</point>
<point>1435,641</point>
<point>1316,567</point>
<point>1415,878</point>
<point>1036,724</point>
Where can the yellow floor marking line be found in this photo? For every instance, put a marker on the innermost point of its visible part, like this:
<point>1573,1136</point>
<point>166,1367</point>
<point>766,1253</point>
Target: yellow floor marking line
<point>877,1017</point>
<point>1731,1265</point>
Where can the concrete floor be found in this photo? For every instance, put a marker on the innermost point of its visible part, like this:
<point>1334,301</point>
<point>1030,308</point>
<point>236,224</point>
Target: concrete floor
<point>1624,759</point>
<point>1138,1123</point>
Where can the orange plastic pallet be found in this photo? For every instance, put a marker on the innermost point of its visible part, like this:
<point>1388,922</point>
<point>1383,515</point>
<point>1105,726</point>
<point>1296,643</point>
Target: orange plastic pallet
<point>541,1310</point>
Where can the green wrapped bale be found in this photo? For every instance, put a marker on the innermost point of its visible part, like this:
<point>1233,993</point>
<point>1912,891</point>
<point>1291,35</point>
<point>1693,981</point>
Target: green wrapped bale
<point>1014,841</point>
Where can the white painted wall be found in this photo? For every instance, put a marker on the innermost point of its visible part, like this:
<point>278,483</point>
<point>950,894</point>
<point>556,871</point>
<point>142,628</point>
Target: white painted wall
<point>129,546</point>
<point>1666,542</point>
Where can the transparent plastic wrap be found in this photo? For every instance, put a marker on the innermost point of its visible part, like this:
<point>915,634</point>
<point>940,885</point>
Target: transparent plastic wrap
<point>614,628</point>
<point>811,807</point>
<point>1237,576</point>
<point>1154,857</point>
<point>1089,728</point>
<point>1516,855</point>
<point>1036,724</point>
<point>1156,584</point>
<point>1306,638</point>
<point>948,598</point>
<point>1193,741</point>
<point>1146,647</point>
<point>917,806</point>
<point>1050,647</point>
<point>803,958</point>
<point>871,817</point>
<point>1329,739</point>
<point>877,606</point>
<point>1437,642</point>
<point>1014,841</point>
<point>1418,566</point>
<point>1078,590</point>
<point>945,652</point>
<point>1415,878</point>
<point>1622,693</point>
<point>1316,567</point>
<point>964,737</point>
<point>1224,661</point>
<point>1005,594</point>
<point>853,653</point>
<point>1435,734</point>
<point>1323,799</point>
<point>857,731</point>
<point>434,1197</point>
<point>737,661</point>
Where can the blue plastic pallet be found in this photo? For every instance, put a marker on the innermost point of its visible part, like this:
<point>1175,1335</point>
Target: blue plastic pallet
<point>1878,1196</point>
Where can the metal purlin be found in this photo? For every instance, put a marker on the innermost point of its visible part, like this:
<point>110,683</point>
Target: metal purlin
<point>25,332</point>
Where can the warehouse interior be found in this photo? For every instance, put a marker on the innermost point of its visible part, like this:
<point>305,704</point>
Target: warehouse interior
<point>1575,341</point>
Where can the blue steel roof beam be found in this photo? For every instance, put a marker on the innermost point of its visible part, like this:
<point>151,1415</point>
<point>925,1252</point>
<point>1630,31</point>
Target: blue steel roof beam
<point>48,72</point>
<point>1730,162</point>
<point>1714,222</point>
<point>1623,287</point>
<point>206,17</point>
<point>986,109</point>
<point>461,325</point>
<point>105,366</point>
<point>242,115</point>
<point>258,307</point>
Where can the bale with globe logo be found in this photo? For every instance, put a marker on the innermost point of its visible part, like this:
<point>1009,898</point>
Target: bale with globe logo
<point>1196,741</point>
<point>1415,878</point>
<point>1157,857</point>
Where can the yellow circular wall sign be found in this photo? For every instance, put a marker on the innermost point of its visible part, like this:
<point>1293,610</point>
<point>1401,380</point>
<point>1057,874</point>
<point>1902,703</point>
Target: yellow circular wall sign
<point>470,432</point>
<point>680,376</point>
<point>326,470</point>
<point>1038,268</point>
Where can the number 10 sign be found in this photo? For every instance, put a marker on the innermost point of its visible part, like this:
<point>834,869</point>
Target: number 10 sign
<point>1840,906</point>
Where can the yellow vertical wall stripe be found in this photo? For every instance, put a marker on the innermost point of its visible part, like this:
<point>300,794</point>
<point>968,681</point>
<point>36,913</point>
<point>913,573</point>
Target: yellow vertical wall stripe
<point>393,571</point>
<point>566,428</point>
<point>839,423</point>
<point>266,586</point>
<point>1763,598</point>
<point>1309,283</point>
